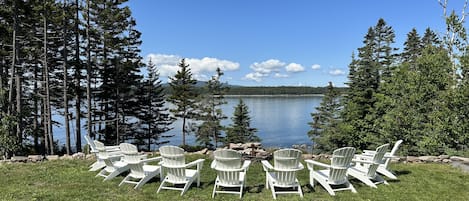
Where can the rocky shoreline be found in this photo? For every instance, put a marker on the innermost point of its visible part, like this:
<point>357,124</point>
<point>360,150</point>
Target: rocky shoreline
<point>255,151</point>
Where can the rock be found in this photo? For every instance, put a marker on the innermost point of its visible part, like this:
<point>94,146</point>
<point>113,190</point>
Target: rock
<point>446,161</point>
<point>52,157</point>
<point>458,158</point>
<point>203,151</point>
<point>19,159</point>
<point>90,157</point>
<point>307,156</point>
<point>78,155</point>
<point>35,158</point>
<point>65,157</point>
<point>412,159</point>
<point>443,156</point>
<point>427,158</point>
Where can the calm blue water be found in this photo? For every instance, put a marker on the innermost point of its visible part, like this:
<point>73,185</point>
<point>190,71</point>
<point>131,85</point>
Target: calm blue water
<point>281,120</point>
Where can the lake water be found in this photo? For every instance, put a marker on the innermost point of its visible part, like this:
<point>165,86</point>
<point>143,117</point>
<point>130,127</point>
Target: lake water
<point>281,121</point>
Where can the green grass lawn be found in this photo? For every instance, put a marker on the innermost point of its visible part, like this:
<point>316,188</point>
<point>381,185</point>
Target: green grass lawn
<point>70,180</point>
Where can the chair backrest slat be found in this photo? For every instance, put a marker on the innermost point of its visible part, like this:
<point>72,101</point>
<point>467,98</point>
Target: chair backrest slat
<point>377,160</point>
<point>173,160</point>
<point>133,158</point>
<point>227,161</point>
<point>393,152</point>
<point>284,161</point>
<point>341,159</point>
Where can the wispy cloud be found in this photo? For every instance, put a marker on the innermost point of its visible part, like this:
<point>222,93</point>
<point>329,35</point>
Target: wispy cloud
<point>201,69</point>
<point>315,66</point>
<point>256,76</point>
<point>280,75</point>
<point>294,68</point>
<point>336,72</point>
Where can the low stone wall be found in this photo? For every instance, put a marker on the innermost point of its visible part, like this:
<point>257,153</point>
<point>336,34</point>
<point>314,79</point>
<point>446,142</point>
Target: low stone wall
<point>405,159</point>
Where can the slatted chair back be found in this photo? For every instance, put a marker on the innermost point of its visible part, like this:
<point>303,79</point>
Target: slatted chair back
<point>228,165</point>
<point>340,162</point>
<point>393,152</point>
<point>91,144</point>
<point>286,163</point>
<point>174,163</point>
<point>377,160</point>
<point>133,158</point>
<point>103,154</point>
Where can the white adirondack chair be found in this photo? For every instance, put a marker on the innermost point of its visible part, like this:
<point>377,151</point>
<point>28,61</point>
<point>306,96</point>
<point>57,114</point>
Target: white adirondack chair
<point>283,173</point>
<point>114,165</point>
<point>140,172</point>
<point>176,170</point>
<point>335,174</point>
<point>230,171</point>
<point>366,165</point>
<point>384,168</point>
<point>99,164</point>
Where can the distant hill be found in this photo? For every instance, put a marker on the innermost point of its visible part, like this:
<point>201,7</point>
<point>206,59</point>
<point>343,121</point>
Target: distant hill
<point>265,90</point>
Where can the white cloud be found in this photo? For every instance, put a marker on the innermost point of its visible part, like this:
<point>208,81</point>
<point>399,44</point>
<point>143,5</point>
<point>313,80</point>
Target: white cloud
<point>256,76</point>
<point>279,75</point>
<point>201,69</point>
<point>266,67</point>
<point>294,68</point>
<point>315,66</point>
<point>336,72</point>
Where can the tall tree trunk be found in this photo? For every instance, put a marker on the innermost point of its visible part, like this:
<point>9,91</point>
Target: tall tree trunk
<point>88,69</point>
<point>14,57</point>
<point>65,81</point>
<point>77,79</point>
<point>36,111</point>
<point>47,87</point>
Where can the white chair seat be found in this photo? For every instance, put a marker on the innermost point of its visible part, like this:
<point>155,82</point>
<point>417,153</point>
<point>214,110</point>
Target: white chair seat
<point>140,173</point>
<point>334,178</point>
<point>176,169</point>
<point>365,167</point>
<point>231,171</point>
<point>283,173</point>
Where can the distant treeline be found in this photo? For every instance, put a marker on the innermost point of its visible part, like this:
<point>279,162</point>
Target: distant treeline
<point>267,90</point>
<point>281,90</point>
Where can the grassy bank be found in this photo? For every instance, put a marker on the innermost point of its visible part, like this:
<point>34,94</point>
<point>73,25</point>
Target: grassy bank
<point>70,180</point>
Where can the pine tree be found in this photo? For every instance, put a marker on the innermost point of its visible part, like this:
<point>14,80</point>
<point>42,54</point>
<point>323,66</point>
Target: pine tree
<point>183,96</point>
<point>412,47</point>
<point>430,38</point>
<point>154,117</point>
<point>211,114</point>
<point>240,130</point>
<point>325,122</point>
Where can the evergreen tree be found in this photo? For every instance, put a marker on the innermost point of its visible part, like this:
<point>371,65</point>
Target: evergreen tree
<point>325,133</point>
<point>240,130</point>
<point>430,38</point>
<point>183,96</point>
<point>412,47</point>
<point>154,117</point>
<point>210,113</point>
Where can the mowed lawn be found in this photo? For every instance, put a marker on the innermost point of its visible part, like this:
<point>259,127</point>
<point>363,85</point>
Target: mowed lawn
<point>71,180</point>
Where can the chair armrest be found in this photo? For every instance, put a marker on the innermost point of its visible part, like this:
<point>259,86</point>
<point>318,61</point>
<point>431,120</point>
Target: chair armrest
<point>311,163</point>
<point>112,148</point>
<point>213,164</point>
<point>152,159</point>
<point>266,165</point>
<point>112,156</point>
<point>246,164</point>
<point>362,161</point>
<point>198,162</point>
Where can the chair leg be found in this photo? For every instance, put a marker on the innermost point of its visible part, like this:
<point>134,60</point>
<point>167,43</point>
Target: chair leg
<point>124,180</point>
<point>214,189</point>
<point>143,181</point>
<point>299,190</point>
<point>186,187</point>
<point>161,185</point>
<point>112,175</point>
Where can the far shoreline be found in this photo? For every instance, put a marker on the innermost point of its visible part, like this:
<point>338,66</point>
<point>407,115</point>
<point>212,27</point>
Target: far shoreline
<point>275,95</point>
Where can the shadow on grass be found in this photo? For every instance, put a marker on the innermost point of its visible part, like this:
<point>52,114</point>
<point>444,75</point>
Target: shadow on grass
<point>255,189</point>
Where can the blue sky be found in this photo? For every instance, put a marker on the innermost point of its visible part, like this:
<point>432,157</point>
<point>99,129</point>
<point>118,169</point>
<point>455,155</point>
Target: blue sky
<point>273,42</point>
